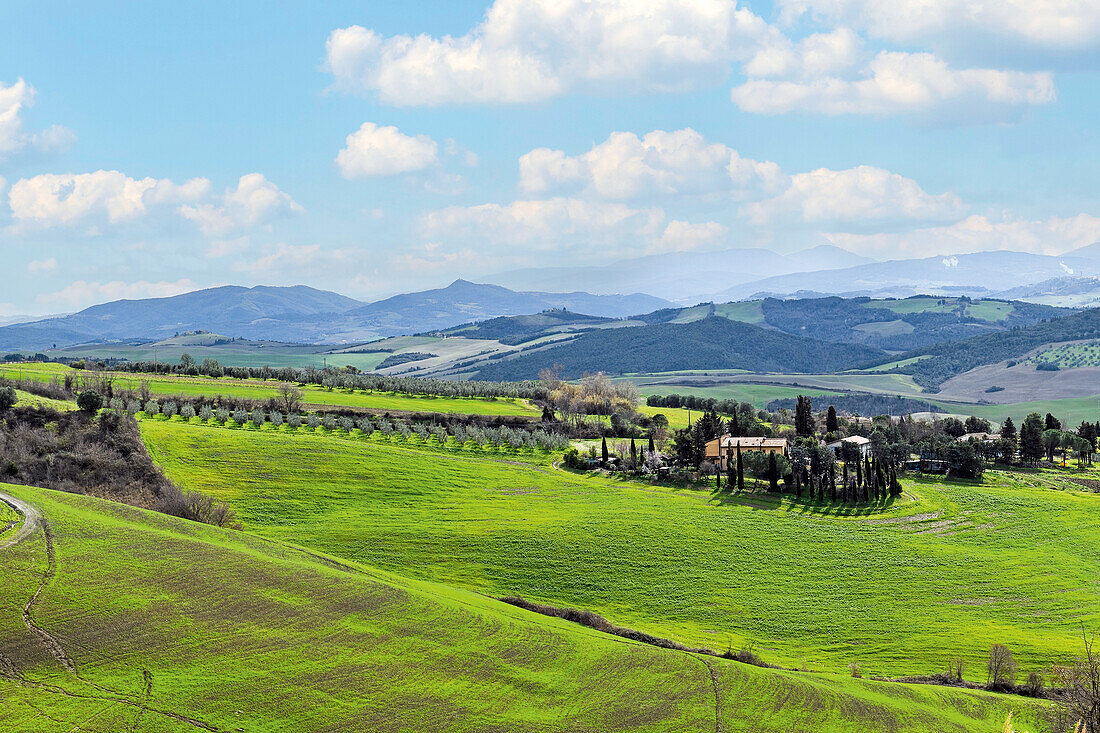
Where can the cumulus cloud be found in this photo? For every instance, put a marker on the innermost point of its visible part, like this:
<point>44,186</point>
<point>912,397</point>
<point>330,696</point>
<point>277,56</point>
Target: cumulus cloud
<point>680,236</point>
<point>81,293</point>
<point>13,138</point>
<point>384,151</point>
<point>1056,25</point>
<point>660,163</point>
<point>893,83</point>
<point>556,224</point>
<point>255,201</point>
<point>37,267</point>
<point>530,50</point>
<point>70,199</point>
<point>1053,236</point>
<point>862,195</point>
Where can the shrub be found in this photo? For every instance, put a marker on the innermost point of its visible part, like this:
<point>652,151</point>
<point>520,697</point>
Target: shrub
<point>221,415</point>
<point>133,407</point>
<point>187,412</point>
<point>573,459</point>
<point>276,418</point>
<point>89,401</point>
<point>258,417</point>
<point>168,409</point>
<point>240,416</point>
<point>294,420</point>
<point>7,397</point>
<point>116,404</point>
<point>329,422</point>
<point>205,413</point>
<point>152,407</point>
<point>313,421</point>
<point>346,424</point>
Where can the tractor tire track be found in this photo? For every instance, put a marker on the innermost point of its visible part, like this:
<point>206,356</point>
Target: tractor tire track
<point>717,693</point>
<point>32,519</point>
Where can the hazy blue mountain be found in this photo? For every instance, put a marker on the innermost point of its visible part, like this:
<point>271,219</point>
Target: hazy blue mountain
<point>978,274</point>
<point>681,277</point>
<point>303,314</point>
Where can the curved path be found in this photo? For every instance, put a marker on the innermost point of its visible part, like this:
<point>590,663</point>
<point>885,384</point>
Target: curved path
<point>32,519</point>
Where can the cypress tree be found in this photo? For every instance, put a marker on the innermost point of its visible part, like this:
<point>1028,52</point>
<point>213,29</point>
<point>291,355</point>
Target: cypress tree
<point>718,482</point>
<point>731,471</point>
<point>859,473</point>
<point>740,471</point>
<point>633,451</point>
<point>773,473</point>
<point>604,451</point>
<point>832,482</point>
<point>735,428</point>
<point>831,423</point>
<point>651,448</point>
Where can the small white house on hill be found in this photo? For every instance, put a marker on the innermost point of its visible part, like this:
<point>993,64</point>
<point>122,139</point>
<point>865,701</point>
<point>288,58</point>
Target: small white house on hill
<point>864,444</point>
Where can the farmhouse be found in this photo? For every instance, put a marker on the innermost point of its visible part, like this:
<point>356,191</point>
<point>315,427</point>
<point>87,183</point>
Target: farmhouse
<point>979,437</point>
<point>719,449</point>
<point>858,441</point>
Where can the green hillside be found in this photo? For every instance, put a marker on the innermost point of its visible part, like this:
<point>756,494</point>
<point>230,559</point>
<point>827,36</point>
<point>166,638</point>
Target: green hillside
<point>711,343</point>
<point>945,572</point>
<point>893,324</point>
<point>948,360</point>
<point>140,622</point>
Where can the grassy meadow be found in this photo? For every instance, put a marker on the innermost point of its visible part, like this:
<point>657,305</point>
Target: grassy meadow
<point>946,571</point>
<point>312,395</point>
<point>166,625</point>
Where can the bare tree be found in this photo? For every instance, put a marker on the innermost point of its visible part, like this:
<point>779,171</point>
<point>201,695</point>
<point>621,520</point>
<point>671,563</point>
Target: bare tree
<point>1001,666</point>
<point>290,396</point>
<point>1081,689</point>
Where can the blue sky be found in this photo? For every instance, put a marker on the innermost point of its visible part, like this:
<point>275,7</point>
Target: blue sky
<point>370,148</point>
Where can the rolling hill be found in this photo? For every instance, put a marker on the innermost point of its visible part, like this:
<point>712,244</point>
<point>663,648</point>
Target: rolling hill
<point>710,343</point>
<point>114,618</point>
<point>953,358</point>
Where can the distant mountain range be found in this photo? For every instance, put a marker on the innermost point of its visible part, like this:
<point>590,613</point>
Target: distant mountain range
<point>681,277</point>
<point>302,314</point>
<point>977,275</point>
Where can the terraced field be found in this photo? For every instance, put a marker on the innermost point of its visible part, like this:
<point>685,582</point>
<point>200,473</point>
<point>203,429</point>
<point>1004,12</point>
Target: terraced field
<point>945,572</point>
<point>114,618</point>
<point>256,389</point>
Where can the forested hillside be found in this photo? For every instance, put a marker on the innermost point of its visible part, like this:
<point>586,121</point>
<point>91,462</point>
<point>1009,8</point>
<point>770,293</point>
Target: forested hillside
<point>905,324</point>
<point>950,359</point>
<point>712,343</point>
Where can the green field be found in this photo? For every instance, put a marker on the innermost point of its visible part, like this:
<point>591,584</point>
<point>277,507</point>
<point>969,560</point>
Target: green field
<point>26,399</point>
<point>946,572</point>
<point>238,353</point>
<point>171,626</point>
<point>758,394</point>
<point>1071,411</point>
<point>255,389</point>
<point>986,310</point>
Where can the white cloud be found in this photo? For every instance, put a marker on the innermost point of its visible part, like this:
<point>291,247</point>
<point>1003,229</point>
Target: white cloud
<point>861,195</point>
<point>530,50</point>
<point>36,267</point>
<point>660,163</point>
<point>558,225</point>
<point>1053,236</point>
<point>81,293</point>
<point>224,247</point>
<point>680,236</point>
<point>13,138</point>
<point>821,54</point>
<point>92,198</point>
<point>896,83</point>
<point>384,151</point>
<point>254,202</point>
<point>1052,24</point>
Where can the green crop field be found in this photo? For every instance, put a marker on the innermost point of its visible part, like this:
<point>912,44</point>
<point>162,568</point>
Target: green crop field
<point>758,394</point>
<point>946,572</point>
<point>158,624</point>
<point>1071,411</point>
<point>261,390</point>
<point>26,399</point>
<point>236,353</point>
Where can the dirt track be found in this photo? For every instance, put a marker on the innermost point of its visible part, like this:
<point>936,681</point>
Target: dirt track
<point>31,520</point>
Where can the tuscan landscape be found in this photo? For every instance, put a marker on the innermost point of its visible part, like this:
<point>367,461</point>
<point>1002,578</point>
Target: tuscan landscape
<point>686,365</point>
